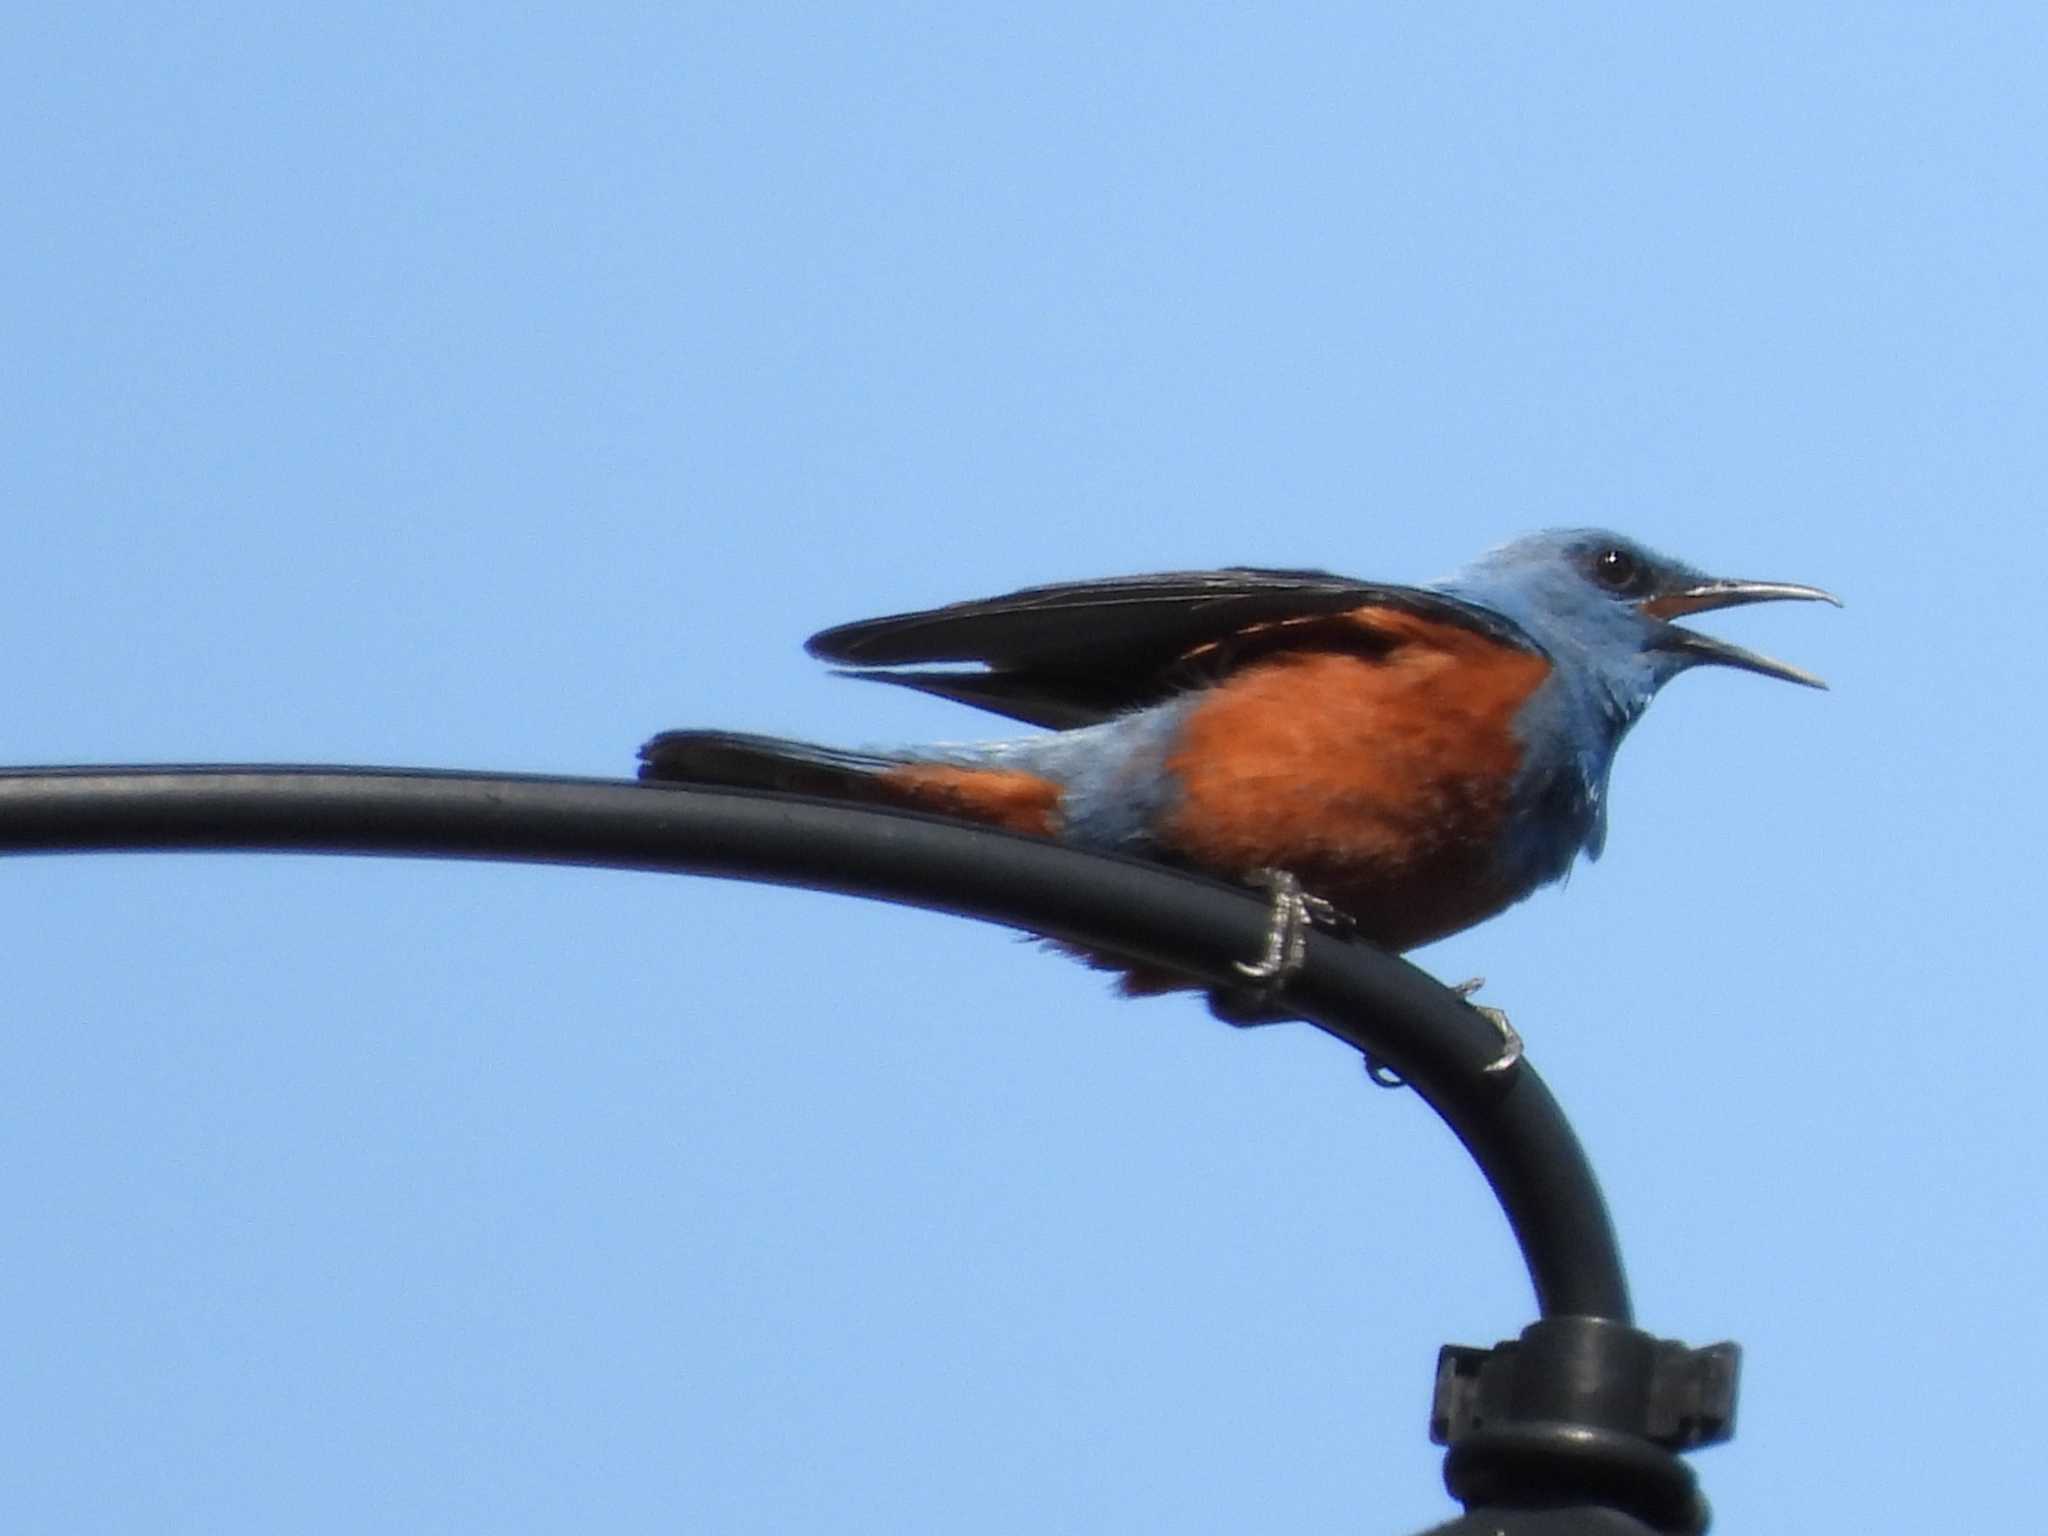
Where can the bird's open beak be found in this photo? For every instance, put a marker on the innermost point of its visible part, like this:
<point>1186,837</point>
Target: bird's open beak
<point>1706,596</point>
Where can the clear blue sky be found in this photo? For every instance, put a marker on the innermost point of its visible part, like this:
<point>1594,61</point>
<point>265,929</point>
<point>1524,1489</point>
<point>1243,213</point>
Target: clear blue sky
<point>490,386</point>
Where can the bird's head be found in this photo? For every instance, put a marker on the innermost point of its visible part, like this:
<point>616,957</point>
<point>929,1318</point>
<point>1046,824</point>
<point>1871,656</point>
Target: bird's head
<point>1603,606</point>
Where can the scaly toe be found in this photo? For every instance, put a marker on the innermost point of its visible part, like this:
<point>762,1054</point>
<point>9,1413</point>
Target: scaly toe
<point>1286,928</point>
<point>1510,1038</point>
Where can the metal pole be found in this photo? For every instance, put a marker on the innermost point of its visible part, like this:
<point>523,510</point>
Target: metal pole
<point>1583,1411</point>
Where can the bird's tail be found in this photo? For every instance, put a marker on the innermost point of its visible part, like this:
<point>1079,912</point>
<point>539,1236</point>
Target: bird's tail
<point>986,792</point>
<point>974,791</point>
<point>742,761</point>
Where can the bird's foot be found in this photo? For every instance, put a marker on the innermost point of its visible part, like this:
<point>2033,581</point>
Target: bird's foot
<point>1510,1039</point>
<point>1294,911</point>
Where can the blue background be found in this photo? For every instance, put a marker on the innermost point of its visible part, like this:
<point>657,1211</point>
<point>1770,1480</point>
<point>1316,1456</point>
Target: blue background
<point>490,386</point>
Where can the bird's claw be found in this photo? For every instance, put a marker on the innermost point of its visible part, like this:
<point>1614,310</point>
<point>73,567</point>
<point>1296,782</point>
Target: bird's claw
<point>1510,1038</point>
<point>1292,914</point>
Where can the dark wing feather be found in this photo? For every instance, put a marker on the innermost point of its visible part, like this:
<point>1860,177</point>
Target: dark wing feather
<point>1052,699</point>
<point>1091,620</point>
<point>1070,654</point>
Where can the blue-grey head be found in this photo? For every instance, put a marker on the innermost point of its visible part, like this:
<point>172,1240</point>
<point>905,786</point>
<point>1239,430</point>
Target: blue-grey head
<point>1603,604</point>
<point>1602,607</point>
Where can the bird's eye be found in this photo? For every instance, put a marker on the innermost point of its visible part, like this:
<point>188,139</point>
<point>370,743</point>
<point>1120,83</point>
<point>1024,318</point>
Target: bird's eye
<point>1617,570</point>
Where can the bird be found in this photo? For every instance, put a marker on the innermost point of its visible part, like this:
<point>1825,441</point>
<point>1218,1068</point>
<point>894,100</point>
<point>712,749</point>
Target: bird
<point>1407,760</point>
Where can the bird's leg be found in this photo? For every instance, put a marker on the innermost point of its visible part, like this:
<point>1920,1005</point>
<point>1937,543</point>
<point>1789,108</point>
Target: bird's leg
<point>1293,911</point>
<point>1510,1040</point>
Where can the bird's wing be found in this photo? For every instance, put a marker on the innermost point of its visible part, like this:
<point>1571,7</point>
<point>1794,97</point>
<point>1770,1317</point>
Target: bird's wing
<point>1080,652</point>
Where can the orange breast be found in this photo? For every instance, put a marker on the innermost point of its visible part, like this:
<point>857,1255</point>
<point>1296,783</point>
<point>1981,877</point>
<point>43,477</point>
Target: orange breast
<point>1380,776</point>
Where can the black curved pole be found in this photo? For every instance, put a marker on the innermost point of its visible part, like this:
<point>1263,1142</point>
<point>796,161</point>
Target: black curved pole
<point>1364,996</point>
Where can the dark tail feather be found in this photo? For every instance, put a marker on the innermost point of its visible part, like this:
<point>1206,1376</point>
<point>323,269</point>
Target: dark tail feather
<point>1020,801</point>
<point>763,762</point>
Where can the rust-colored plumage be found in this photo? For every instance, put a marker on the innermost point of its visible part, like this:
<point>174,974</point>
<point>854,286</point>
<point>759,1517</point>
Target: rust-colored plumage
<point>1006,798</point>
<point>1380,781</point>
